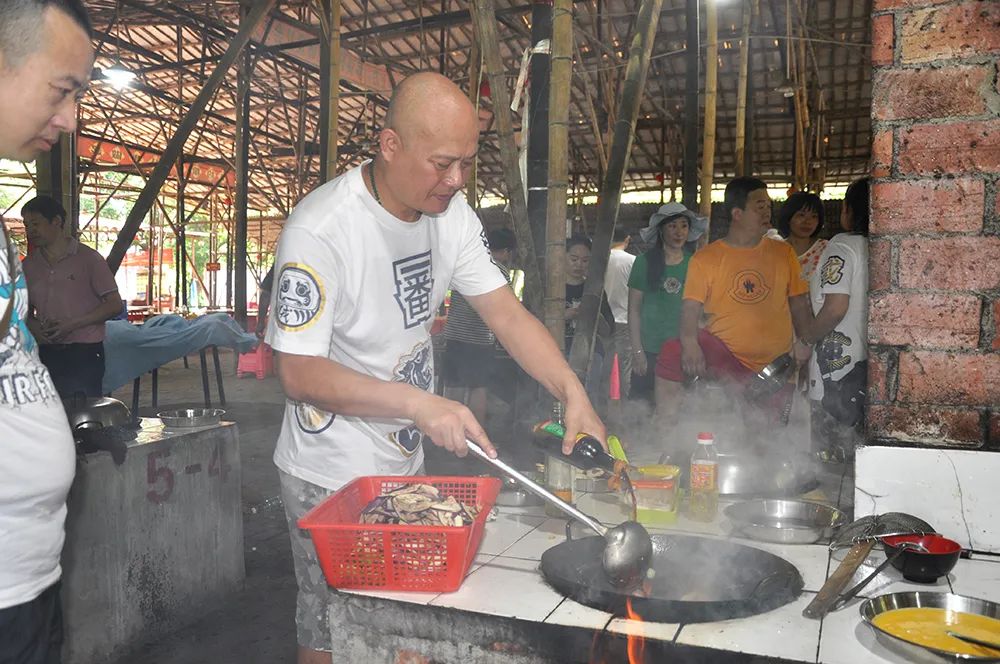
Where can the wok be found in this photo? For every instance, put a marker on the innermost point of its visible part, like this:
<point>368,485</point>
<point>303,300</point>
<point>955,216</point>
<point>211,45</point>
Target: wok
<point>694,579</point>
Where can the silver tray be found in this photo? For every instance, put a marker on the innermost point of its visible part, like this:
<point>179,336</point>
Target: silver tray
<point>191,417</point>
<point>919,653</point>
<point>784,521</point>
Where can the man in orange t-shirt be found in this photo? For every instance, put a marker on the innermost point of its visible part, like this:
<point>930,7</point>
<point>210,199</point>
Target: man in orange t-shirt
<point>750,290</point>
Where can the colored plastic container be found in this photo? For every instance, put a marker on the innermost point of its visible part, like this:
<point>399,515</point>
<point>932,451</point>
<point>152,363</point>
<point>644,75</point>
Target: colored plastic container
<point>258,362</point>
<point>656,494</point>
<point>354,555</point>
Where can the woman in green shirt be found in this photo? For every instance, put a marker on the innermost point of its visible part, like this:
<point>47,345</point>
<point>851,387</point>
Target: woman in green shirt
<point>656,288</point>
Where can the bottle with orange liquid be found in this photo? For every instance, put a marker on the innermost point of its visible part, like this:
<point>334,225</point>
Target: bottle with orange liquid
<point>560,477</point>
<point>703,502</point>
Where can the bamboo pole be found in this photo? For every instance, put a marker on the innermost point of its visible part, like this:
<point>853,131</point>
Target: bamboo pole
<point>711,94</point>
<point>475,81</point>
<point>485,24</point>
<point>332,72</point>
<point>607,212</point>
<point>560,81</point>
<point>741,91</point>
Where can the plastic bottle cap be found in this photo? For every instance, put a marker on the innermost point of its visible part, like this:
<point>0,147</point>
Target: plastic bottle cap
<point>705,438</point>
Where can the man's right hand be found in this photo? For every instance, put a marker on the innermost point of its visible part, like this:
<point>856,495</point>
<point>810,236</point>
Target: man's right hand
<point>449,423</point>
<point>639,365</point>
<point>39,330</point>
<point>692,358</point>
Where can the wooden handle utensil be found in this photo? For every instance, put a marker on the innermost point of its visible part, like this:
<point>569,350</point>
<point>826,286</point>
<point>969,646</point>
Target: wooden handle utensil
<point>830,592</point>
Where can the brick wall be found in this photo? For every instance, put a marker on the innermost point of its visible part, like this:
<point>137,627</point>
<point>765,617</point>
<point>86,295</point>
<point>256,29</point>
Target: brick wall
<point>935,253</point>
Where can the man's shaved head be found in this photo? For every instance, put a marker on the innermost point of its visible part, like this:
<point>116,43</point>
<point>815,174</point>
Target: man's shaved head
<point>424,102</point>
<point>21,25</point>
<point>427,146</point>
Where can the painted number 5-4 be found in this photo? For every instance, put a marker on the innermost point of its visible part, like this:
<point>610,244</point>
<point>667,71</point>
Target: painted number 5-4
<point>159,477</point>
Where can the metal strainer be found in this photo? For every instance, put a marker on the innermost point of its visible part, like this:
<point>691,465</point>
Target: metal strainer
<point>876,526</point>
<point>861,535</point>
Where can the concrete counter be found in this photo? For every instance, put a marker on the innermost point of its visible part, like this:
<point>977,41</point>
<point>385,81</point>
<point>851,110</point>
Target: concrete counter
<point>150,542</point>
<point>505,612</point>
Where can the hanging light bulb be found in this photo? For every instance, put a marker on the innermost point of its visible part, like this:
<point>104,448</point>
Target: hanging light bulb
<point>118,76</point>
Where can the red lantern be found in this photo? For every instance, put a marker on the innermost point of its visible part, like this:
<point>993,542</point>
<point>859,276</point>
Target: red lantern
<point>659,178</point>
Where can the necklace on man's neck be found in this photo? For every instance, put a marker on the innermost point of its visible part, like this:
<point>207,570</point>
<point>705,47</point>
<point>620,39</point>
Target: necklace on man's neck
<point>371,178</point>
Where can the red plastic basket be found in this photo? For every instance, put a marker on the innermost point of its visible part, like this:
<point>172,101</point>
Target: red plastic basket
<point>397,557</point>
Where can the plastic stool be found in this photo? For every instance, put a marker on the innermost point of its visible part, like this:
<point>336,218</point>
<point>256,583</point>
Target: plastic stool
<point>259,362</point>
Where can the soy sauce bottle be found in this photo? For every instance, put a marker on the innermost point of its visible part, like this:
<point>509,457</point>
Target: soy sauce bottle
<point>587,454</point>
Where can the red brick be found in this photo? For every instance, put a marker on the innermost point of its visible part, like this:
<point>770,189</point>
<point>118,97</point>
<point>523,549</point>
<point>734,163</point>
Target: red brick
<point>996,325</point>
<point>930,426</point>
<point>883,39</point>
<point>927,206</point>
<point>879,265</point>
<point>953,379</point>
<point>953,263</point>
<point>924,320</point>
<point>958,147</point>
<point>957,31</point>
<point>945,92</point>
<point>887,5</point>
<point>882,154</point>
<point>994,429</point>
<point>878,378</point>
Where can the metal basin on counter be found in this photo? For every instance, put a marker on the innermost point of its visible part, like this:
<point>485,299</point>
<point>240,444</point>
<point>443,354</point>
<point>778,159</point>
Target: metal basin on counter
<point>784,521</point>
<point>692,579</point>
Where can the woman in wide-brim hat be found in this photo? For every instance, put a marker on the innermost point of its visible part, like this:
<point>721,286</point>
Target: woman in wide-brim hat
<point>656,288</point>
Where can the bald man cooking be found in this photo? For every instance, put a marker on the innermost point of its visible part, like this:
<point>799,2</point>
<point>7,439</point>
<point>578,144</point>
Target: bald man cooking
<point>363,263</point>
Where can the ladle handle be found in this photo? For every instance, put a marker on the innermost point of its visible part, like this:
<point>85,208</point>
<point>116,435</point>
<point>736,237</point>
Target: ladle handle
<point>537,489</point>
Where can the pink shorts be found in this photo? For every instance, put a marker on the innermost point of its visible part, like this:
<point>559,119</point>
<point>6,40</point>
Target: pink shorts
<point>720,365</point>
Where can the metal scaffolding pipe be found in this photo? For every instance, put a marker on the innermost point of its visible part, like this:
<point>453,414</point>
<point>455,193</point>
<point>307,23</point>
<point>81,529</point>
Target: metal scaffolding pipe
<point>633,86</point>
<point>242,161</point>
<point>147,197</point>
<point>538,125</point>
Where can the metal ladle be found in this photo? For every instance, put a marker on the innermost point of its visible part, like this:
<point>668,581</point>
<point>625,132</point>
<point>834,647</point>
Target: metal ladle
<point>628,547</point>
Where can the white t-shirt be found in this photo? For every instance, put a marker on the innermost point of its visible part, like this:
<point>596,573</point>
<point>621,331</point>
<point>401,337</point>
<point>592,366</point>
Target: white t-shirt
<point>361,287</point>
<point>37,458</point>
<point>616,283</point>
<point>843,268</point>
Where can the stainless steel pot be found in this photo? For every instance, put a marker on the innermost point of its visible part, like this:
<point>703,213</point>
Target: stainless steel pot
<point>746,475</point>
<point>749,473</point>
<point>96,413</point>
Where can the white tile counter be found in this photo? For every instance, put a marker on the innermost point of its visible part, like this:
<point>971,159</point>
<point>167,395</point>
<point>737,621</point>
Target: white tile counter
<point>506,582</point>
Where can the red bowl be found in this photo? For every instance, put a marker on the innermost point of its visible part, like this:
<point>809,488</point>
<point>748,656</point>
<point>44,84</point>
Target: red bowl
<point>941,556</point>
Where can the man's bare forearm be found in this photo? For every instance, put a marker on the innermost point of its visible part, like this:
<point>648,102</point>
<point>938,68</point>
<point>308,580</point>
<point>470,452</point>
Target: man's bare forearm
<point>334,388</point>
<point>690,315</point>
<point>105,311</point>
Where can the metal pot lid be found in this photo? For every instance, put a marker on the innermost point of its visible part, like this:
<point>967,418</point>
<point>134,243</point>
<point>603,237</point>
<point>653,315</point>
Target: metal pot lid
<point>695,579</point>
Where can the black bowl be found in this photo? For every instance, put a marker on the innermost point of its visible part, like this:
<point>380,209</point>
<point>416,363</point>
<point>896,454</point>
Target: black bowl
<point>941,556</point>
